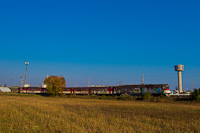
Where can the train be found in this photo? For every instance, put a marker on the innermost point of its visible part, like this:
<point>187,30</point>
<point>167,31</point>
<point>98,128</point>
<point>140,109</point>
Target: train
<point>154,89</point>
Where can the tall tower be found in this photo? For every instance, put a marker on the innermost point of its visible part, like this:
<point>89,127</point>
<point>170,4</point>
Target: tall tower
<point>142,78</point>
<point>26,63</point>
<point>89,82</point>
<point>179,68</point>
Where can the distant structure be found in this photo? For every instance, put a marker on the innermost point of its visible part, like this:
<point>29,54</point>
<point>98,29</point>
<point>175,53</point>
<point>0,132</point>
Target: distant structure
<point>143,79</point>
<point>22,81</point>
<point>89,82</point>
<point>5,89</point>
<point>179,68</point>
<point>26,63</point>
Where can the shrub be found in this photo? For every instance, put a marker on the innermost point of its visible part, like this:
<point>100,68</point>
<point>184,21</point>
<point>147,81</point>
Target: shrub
<point>146,96</point>
<point>125,97</point>
<point>196,95</point>
<point>158,99</point>
<point>154,99</point>
<point>162,100</point>
<point>72,96</point>
<point>103,97</point>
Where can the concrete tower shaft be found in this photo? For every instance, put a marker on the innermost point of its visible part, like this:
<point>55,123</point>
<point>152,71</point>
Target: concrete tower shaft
<point>179,68</point>
<point>180,81</point>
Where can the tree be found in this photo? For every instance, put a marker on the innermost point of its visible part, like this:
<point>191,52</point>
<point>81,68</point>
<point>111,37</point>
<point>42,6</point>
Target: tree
<point>196,94</point>
<point>55,84</point>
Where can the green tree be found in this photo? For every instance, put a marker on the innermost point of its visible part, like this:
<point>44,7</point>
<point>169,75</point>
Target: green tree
<point>55,84</point>
<point>196,95</point>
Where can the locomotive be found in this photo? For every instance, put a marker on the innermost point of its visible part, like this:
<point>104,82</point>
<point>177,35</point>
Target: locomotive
<point>154,89</point>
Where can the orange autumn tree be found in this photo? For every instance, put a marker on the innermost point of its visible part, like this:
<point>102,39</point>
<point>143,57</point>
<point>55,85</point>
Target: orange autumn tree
<point>55,84</point>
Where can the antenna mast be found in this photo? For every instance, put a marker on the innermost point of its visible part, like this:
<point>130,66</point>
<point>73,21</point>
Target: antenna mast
<point>193,85</point>
<point>142,78</point>
<point>21,81</point>
<point>89,82</point>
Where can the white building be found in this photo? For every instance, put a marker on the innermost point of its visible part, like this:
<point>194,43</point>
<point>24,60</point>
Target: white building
<point>5,89</point>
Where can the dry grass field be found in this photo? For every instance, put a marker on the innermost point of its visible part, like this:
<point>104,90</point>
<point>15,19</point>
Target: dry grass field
<point>57,114</point>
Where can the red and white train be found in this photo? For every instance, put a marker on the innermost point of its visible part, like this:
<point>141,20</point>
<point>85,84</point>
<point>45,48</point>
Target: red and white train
<point>154,89</point>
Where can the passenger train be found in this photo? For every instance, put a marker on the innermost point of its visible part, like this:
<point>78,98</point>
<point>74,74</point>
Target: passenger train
<point>154,89</point>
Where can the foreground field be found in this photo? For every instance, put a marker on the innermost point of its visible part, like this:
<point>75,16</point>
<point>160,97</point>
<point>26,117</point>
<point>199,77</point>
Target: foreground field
<point>47,114</point>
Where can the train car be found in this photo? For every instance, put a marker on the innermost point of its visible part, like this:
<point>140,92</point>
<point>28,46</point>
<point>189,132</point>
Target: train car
<point>82,91</point>
<point>101,91</point>
<point>154,89</point>
<point>32,90</point>
<point>68,91</point>
<point>88,91</point>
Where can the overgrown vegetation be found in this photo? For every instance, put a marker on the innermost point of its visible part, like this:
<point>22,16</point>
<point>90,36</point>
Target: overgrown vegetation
<point>126,97</point>
<point>160,98</point>
<point>146,96</point>
<point>61,114</point>
<point>196,95</point>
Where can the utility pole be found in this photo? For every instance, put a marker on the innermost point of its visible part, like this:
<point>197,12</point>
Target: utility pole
<point>89,82</point>
<point>101,83</point>
<point>21,81</point>
<point>142,78</point>
<point>193,85</point>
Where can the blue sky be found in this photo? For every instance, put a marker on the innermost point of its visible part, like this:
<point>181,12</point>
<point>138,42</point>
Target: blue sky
<point>110,41</point>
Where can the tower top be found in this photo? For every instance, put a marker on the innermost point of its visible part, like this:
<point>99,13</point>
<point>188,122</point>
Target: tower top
<point>179,67</point>
<point>26,63</point>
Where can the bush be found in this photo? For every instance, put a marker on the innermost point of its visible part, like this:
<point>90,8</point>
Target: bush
<point>103,97</point>
<point>161,99</point>
<point>72,95</point>
<point>196,95</point>
<point>154,99</point>
<point>146,96</point>
<point>125,97</point>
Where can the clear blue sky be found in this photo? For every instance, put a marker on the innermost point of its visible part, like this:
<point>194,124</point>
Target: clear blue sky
<point>105,40</point>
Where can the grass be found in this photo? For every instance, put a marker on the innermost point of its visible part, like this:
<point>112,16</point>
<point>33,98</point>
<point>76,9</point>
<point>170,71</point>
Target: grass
<point>22,113</point>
